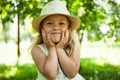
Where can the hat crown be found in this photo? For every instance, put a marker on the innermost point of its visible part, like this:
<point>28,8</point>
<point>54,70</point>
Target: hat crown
<point>55,6</point>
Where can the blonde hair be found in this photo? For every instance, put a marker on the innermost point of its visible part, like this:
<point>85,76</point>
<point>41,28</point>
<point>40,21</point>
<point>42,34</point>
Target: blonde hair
<point>70,47</point>
<point>72,44</point>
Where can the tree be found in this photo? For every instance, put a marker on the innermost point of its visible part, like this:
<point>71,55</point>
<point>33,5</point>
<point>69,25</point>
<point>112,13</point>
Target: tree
<point>10,9</point>
<point>99,18</point>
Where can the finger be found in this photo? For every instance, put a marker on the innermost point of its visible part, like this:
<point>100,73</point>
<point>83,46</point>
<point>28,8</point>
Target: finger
<point>43,34</point>
<point>62,34</point>
<point>66,31</point>
<point>49,40</point>
<point>48,36</point>
<point>66,35</point>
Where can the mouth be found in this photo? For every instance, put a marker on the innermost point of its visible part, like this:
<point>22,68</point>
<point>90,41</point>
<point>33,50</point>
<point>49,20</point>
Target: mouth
<point>56,33</point>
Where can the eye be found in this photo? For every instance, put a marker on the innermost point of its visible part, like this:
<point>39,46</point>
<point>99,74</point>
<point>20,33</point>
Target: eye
<point>62,23</point>
<point>49,23</point>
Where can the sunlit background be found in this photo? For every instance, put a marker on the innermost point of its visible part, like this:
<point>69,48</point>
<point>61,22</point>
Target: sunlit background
<point>99,35</point>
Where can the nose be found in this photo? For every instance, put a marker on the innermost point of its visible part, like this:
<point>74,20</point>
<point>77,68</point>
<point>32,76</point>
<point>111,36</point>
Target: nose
<point>56,27</point>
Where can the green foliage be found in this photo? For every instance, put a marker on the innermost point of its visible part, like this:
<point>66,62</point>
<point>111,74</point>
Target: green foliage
<point>7,11</point>
<point>95,71</point>
<point>96,14</point>
<point>89,69</point>
<point>93,14</point>
<point>21,72</point>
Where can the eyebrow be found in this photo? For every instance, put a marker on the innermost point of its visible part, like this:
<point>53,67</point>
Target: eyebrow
<point>58,20</point>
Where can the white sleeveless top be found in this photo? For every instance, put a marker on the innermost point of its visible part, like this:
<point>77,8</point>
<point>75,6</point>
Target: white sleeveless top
<point>60,74</point>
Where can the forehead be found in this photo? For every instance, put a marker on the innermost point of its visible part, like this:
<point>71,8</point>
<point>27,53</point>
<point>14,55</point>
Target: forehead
<point>56,16</point>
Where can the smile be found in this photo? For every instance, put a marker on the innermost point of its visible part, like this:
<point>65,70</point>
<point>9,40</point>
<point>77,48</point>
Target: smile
<point>56,33</point>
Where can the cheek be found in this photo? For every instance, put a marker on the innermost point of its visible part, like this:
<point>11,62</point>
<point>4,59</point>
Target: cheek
<point>47,29</point>
<point>63,29</point>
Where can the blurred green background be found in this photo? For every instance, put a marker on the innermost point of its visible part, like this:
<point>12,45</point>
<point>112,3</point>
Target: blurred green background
<point>99,35</point>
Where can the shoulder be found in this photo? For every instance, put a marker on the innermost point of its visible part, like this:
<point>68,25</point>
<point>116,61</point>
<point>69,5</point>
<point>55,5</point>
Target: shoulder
<point>35,50</point>
<point>37,54</point>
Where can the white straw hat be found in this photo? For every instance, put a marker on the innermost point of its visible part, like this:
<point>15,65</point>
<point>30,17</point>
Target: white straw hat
<point>55,7</point>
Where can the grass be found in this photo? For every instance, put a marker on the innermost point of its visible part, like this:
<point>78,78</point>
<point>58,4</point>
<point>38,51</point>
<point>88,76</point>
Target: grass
<point>18,72</point>
<point>98,62</point>
<point>95,71</point>
<point>89,70</point>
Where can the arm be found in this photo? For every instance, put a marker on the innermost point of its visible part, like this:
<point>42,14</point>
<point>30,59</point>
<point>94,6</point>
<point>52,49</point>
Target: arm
<point>46,65</point>
<point>69,65</point>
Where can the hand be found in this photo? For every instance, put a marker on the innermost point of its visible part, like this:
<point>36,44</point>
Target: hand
<point>64,39</point>
<point>46,39</point>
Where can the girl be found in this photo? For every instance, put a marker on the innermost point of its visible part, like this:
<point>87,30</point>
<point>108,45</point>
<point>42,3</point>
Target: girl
<point>56,52</point>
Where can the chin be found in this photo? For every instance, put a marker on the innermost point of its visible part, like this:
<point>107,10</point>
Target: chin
<point>56,41</point>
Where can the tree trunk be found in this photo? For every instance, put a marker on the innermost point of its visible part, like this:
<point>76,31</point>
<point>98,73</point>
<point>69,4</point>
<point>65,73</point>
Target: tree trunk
<point>18,42</point>
<point>18,37</point>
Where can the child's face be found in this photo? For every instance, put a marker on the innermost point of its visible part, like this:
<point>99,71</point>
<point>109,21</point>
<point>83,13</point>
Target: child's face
<point>55,25</point>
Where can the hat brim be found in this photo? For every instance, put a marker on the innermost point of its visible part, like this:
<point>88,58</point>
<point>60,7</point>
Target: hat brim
<point>75,21</point>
